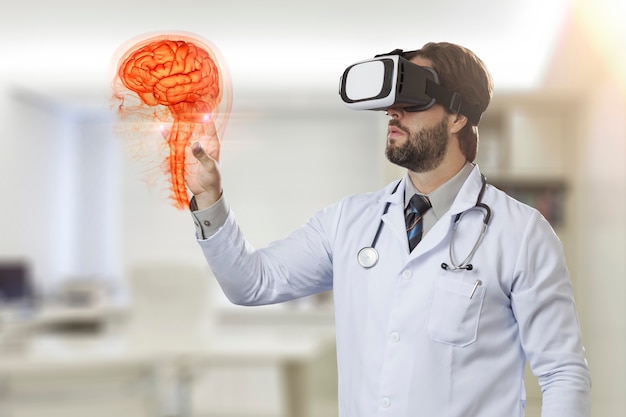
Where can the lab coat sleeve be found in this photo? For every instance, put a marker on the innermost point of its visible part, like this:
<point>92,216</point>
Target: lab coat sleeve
<point>296,266</point>
<point>543,304</point>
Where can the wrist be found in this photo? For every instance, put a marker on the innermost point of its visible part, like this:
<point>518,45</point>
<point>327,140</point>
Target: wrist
<point>205,200</point>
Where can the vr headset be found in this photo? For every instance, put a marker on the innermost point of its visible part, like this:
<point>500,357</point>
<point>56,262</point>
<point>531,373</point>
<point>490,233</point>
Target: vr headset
<point>389,80</point>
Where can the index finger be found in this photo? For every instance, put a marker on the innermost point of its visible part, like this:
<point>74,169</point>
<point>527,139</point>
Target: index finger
<point>210,140</point>
<point>209,127</point>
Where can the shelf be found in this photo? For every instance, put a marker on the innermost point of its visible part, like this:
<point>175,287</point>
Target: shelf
<point>546,195</point>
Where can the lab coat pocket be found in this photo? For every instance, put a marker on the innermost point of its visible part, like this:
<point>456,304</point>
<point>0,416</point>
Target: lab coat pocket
<point>455,311</point>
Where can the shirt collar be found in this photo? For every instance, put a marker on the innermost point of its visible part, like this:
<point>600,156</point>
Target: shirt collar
<point>441,198</point>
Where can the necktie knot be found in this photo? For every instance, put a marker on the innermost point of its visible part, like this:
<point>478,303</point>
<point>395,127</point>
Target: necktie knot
<point>419,204</point>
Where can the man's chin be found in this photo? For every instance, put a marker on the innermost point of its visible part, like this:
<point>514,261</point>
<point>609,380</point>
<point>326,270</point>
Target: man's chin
<point>394,159</point>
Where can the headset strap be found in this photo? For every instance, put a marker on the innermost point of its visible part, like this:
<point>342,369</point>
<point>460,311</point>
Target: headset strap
<point>453,101</point>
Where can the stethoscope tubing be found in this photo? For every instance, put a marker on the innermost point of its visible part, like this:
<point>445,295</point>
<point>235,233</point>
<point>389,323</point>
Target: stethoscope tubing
<point>367,257</point>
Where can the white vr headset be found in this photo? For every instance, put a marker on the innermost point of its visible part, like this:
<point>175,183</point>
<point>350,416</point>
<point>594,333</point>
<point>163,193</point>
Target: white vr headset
<point>390,80</point>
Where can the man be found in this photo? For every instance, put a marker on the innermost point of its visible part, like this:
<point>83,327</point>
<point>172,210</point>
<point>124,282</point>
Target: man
<point>432,317</point>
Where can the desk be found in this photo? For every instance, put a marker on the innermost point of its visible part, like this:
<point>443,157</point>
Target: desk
<point>106,313</point>
<point>291,353</point>
<point>40,355</point>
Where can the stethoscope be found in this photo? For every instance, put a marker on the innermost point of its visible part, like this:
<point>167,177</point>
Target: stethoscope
<point>368,256</point>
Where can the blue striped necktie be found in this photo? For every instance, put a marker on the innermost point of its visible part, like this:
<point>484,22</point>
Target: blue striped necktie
<point>418,205</point>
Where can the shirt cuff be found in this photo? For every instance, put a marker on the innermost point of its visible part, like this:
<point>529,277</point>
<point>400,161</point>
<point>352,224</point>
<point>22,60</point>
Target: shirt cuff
<point>209,220</point>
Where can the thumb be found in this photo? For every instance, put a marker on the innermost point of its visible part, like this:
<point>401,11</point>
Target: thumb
<point>199,153</point>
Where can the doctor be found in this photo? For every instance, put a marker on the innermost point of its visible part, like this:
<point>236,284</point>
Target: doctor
<point>441,329</point>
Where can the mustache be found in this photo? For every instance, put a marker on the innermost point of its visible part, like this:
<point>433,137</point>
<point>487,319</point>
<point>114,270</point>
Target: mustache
<point>396,123</point>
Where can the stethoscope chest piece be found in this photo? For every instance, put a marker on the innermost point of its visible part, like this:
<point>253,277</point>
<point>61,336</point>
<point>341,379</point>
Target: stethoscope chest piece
<point>367,257</point>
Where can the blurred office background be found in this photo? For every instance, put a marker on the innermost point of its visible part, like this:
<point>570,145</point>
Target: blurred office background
<point>128,318</point>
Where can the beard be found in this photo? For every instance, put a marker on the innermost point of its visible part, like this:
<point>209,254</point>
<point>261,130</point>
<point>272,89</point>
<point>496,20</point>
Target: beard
<point>423,150</point>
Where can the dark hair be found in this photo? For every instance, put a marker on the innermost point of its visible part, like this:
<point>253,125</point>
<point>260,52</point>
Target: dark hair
<point>460,70</point>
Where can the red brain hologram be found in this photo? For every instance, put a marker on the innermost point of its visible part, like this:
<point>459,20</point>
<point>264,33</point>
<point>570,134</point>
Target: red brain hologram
<point>180,83</point>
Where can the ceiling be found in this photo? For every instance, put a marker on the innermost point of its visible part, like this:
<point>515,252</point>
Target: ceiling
<point>67,46</point>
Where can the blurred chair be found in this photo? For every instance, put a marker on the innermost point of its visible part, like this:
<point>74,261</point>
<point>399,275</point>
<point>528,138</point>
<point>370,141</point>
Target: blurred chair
<point>171,308</point>
<point>171,314</point>
<point>205,370</point>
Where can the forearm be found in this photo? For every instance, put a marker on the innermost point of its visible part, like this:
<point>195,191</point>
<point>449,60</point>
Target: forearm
<point>234,264</point>
<point>293,267</point>
<point>566,392</point>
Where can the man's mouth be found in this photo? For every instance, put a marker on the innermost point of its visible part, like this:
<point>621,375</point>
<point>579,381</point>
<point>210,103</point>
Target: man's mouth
<point>395,131</point>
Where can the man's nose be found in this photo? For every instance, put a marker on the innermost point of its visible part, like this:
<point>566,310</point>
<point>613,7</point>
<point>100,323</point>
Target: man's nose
<point>395,112</point>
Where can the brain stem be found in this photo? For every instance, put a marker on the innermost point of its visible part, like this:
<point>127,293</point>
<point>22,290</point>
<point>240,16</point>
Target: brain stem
<point>178,140</point>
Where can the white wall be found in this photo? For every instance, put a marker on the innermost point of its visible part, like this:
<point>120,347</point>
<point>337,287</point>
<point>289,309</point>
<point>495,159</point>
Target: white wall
<point>85,210</point>
<point>600,259</point>
<point>62,201</point>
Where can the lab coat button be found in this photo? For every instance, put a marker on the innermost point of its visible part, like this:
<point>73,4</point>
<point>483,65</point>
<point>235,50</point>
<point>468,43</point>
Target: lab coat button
<point>394,337</point>
<point>407,274</point>
<point>385,402</point>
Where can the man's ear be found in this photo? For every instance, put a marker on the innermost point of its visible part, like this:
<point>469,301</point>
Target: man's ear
<point>458,122</point>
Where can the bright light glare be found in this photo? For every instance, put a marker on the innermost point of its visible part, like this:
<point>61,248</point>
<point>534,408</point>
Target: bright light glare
<point>520,57</point>
<point>603,21</point>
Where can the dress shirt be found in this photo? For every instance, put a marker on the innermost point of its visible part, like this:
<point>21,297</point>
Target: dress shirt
<point>441,198</point>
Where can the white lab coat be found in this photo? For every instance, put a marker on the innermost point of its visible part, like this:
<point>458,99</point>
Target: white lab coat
<point>410,340</point>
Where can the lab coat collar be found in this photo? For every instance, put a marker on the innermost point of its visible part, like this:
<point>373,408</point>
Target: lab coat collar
<point>465,199</point>
<point>394,219</point>
<point>468,194</point>
<point>397,196</point>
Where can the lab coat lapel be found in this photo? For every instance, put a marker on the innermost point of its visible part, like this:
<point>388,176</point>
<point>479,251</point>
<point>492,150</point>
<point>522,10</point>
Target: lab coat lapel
<point>394,218</point>
<point>433,237</point>
<point>468,194</point>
